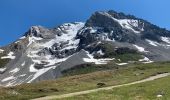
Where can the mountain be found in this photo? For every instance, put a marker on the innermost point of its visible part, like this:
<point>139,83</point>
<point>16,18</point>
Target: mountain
<point>43,54</point>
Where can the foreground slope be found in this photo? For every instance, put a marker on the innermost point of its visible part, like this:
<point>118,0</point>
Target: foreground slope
<point>88,81</point>
<point>152,78</point>
<point>152,90</point>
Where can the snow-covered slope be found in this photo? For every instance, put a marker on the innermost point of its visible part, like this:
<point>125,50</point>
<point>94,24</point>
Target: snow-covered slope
<point>42,54</point>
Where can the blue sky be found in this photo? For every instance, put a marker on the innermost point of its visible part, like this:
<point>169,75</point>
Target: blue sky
<point>16,16</point>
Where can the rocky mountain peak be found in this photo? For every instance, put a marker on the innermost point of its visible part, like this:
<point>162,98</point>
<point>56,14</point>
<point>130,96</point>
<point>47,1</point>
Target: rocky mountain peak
<point>44,53</point>
<point>34,31</point>
<point>111,26</point>
<point>112,20</point>
<point>39,31</point>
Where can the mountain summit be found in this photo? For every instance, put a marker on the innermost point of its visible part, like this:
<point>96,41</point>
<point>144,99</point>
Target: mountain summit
<point>43,54</point>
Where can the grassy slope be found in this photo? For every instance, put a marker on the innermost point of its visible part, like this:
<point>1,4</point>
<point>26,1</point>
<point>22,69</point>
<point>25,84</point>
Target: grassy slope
<point>84,81</point>
<point>143,91</point>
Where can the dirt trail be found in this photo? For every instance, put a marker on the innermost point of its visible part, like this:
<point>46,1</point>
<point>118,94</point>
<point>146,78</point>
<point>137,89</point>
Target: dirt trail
<point>100,89</point>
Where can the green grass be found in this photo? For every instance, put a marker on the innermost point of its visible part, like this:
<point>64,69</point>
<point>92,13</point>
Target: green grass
<point>124,74</point>
<point>129,57</point>
<point>143,91</point>
<point>88,68</point>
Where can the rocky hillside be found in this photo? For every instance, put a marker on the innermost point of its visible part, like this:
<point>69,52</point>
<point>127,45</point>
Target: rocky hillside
<point>42,54</point>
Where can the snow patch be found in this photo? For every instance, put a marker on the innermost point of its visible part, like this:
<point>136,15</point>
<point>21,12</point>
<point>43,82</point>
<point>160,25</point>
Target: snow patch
<point>40,72</point>
<point>140,49</point>
<point>94,29</point>
<point>166,39</point>
<point>153,43</point>
<point>158,96</point>
<point>121,64</point>
<point>32,68</point>
<point>100,52</point>
<point>17,41</point>
<point>96,61</point>
<point>145,60</point>
<point>33,39</point>
<point>23,64</point>
<point>55,61</point>
<point>22,37</point>
<point>11,83</point>
<point>2,69</point>
<point>148,62</point>
<point>8,79</point>
<point>1,51</point>
<point>14,70</point>
<point>9,56</point>
<point>22,75</point>
<point>128,24</point>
